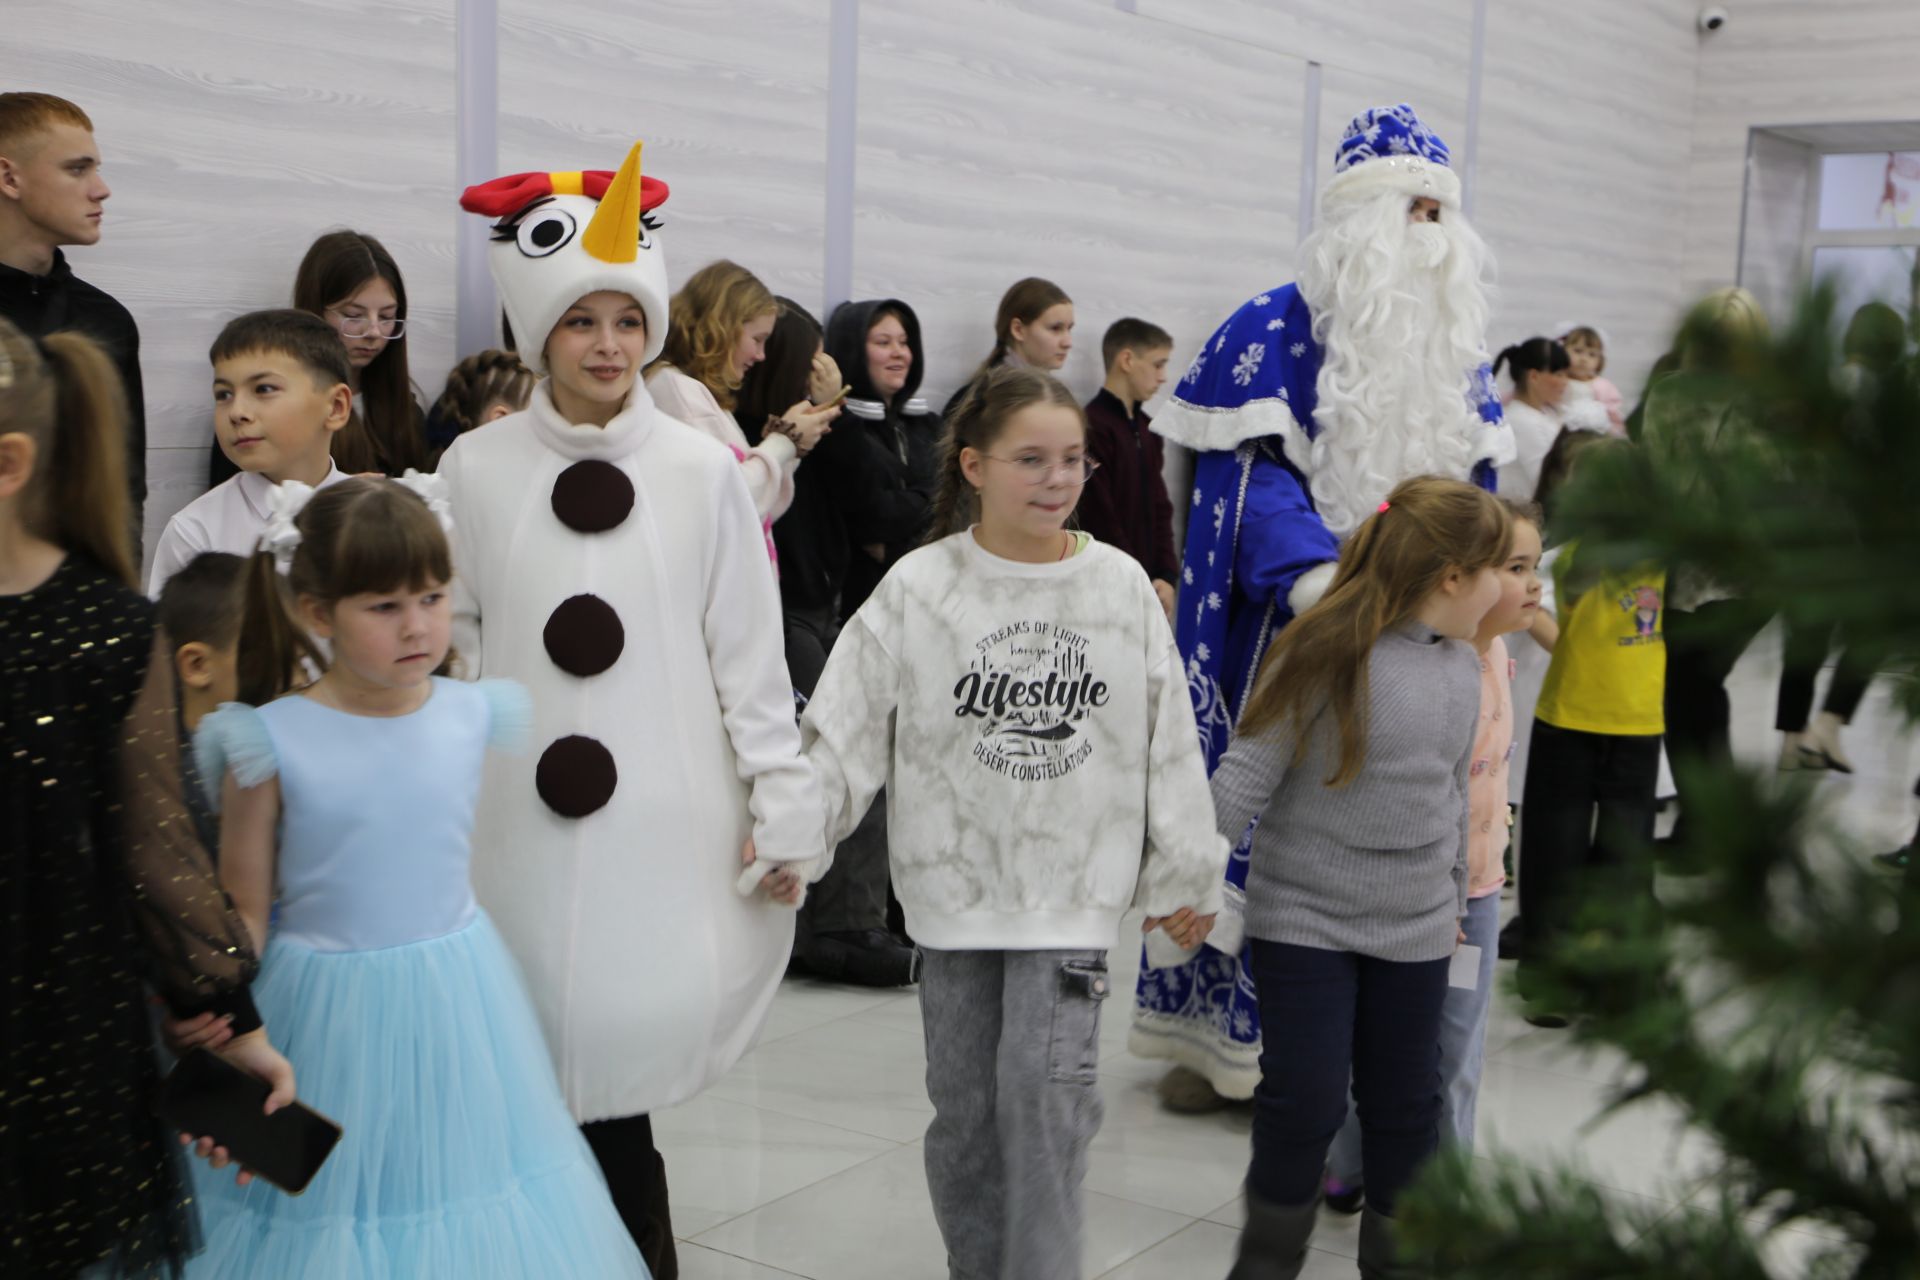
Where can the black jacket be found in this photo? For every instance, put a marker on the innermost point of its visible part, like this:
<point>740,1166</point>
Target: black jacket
<point>60,300</point>
<point>869,482</point>
<point>898,442</point>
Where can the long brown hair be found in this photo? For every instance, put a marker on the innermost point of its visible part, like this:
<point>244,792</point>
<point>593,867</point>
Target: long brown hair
<point>1026,301</point>
<point>703,324</point>
<point>64,394</point>
<point>390,437</point>
<point>975,423</point>
<point>360,535</point>
<point>1428,528</point>
<point>782,379</point>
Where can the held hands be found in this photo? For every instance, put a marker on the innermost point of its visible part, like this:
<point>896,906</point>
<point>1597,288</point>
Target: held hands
<point>255,1055</point>
<point>782,883</point>
<point>1183,926</point>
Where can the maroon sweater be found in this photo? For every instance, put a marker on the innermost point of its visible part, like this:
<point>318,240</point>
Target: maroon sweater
<point>1125,505</point>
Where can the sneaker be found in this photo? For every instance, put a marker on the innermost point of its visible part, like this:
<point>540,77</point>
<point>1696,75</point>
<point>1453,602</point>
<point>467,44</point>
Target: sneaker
<point>1342,1198</point>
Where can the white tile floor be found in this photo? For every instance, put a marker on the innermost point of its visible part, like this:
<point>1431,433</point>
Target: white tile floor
<point>805,1161</point>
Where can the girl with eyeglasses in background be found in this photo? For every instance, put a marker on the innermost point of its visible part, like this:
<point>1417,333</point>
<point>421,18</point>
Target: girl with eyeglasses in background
<point>350,280</point>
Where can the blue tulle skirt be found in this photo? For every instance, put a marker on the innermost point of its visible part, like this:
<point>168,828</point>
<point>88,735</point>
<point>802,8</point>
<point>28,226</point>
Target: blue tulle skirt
<point>459,1158</point>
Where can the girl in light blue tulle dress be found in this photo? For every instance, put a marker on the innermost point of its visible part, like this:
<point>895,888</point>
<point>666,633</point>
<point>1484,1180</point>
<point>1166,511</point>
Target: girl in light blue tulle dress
<point>384,982</point>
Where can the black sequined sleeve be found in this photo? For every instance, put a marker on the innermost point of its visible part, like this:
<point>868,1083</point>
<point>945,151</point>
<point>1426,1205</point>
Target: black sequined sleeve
<point>201,957</point>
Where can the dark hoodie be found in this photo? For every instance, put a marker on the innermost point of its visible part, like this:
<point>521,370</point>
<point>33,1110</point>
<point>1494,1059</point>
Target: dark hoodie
<point>869,482</point>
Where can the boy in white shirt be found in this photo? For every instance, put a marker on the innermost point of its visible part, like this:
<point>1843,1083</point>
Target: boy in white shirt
<point>280,392</point>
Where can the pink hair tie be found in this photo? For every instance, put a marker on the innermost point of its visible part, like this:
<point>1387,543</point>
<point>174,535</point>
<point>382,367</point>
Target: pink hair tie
<point>1382,507</point>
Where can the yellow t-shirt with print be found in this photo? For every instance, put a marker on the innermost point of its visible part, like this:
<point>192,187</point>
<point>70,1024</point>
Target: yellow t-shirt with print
<point>1609,670</point>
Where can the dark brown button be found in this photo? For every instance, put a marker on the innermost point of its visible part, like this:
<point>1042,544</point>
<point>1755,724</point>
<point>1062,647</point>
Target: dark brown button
<point>584,636</point>
<point>575,776</point>
<point>592,497</point>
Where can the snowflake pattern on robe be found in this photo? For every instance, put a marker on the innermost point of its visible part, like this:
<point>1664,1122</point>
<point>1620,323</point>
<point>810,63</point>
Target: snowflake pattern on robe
<point>1249,365</point>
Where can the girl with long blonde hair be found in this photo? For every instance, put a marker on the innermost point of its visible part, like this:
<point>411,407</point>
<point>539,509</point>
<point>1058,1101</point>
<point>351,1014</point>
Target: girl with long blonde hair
<point>717,329</point>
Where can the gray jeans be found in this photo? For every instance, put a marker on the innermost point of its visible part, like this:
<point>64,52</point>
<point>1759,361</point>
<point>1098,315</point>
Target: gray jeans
<point>1013,1043</point>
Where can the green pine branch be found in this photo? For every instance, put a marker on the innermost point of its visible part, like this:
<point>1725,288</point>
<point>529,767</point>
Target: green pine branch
<point>1778,955</point>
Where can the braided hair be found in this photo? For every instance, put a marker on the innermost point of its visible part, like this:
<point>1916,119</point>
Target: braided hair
<point>476,383</point>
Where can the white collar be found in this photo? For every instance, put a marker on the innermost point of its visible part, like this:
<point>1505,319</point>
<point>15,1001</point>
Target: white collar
<point>257,491</point>
<point>626,432</point>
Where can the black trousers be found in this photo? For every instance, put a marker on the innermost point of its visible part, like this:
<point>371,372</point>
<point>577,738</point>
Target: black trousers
<point>637,1179</point>
<point>852,896</point>
<point>1589,799</point>
<point>1702,647</point>
<point>1805,653</point>
<point>1330,1017</point>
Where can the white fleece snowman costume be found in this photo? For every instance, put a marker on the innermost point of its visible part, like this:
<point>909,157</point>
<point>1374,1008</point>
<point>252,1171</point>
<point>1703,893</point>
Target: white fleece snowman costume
<point>619,574</point>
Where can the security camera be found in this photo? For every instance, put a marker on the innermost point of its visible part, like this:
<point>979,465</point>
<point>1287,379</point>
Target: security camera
<point>1713,17</point>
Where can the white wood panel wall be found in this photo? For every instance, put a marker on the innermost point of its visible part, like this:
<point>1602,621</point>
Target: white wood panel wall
<point>1116,157</point>
<point>1786,62</point>
<point>1144,156</point>
<point>1582,163</point>
<point>730,97</point>
<point>232,135</point>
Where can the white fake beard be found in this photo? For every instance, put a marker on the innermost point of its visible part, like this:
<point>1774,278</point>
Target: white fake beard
<point>1401,311</point>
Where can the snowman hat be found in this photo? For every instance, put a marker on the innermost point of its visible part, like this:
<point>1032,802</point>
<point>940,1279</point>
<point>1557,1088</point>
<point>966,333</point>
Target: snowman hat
<point>563,235</point>
<point>1389,149</point>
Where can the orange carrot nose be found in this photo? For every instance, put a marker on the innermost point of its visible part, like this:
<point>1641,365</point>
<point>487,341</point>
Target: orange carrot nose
<point>614,233</point>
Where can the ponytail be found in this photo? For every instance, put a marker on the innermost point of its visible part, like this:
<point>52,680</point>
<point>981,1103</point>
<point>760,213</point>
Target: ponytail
<point>954,503</point>
<point>1026,301</point>
<point>1536,355</point>
<point>65,394</point>
<point>273,646</point>
<point>90,507</point>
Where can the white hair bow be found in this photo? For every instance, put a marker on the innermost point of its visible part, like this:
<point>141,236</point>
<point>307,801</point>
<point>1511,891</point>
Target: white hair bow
<point>432,490</point>
<point>282,534</point>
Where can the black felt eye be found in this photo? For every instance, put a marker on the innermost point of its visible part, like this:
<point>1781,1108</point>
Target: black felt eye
<point>544,232</point>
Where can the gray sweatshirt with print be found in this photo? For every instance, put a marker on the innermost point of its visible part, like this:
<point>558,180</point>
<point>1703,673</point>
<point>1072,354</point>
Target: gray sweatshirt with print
<point>1378,866</point>
<point>1031,725</point>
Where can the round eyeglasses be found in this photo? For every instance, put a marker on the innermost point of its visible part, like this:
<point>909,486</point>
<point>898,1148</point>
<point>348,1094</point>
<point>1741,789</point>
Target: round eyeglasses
<point>1037,471</point>
<point>363,326</point>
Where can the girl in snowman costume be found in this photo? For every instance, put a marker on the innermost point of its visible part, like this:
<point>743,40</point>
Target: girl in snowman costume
<point>610,559</point>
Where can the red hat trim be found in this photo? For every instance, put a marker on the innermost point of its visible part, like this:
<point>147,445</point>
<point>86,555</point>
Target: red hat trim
<point>508,195</point>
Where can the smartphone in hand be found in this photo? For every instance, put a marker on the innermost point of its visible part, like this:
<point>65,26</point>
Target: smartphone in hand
<point>211,1098</point>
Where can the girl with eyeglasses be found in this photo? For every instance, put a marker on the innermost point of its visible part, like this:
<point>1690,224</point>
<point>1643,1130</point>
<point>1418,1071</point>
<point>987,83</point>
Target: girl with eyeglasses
<point>1015,687</point>
<point>350,280</point>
